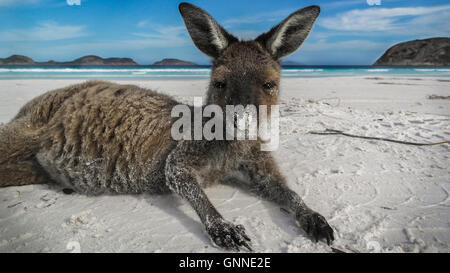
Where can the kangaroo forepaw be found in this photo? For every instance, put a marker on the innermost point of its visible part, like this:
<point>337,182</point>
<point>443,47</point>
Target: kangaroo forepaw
<point>227,235</point>
<point>316,226</point>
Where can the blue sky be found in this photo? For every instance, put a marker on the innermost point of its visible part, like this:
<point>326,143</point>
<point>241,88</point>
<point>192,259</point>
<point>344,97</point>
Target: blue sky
<point>347,31</point>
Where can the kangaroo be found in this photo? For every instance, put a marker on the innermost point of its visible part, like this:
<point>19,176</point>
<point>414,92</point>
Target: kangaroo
<point>104,138</point>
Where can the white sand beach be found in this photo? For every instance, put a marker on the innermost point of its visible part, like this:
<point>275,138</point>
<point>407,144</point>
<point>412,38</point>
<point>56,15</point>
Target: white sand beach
<point>378,196</point>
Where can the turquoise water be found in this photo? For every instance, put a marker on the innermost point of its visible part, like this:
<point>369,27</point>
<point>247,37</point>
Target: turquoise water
<point>202,72</point>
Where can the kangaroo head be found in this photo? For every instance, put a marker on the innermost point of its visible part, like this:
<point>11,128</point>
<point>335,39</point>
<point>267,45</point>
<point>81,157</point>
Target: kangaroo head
<point>246,72</point>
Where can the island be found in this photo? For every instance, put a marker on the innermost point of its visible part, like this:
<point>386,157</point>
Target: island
<point>95,60</point>
<point>90,60</point>
<point>174,62</point>
<point>427,52</point>
<point>17,60</point>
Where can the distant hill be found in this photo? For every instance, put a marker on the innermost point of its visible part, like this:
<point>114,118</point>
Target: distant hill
<point>16,60</point>
<point>427,52</point>
<point>95,60</point>
<point>173,62</point>
<point>83,61</point>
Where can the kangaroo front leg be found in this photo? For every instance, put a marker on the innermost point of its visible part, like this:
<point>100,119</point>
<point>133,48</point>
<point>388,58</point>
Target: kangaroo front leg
<point>267,182</point>
<point>275,189</point>
<point>181,179</point>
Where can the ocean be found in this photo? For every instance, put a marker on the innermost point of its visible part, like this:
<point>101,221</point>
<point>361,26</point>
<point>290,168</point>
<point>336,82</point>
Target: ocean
<point>202,72</point>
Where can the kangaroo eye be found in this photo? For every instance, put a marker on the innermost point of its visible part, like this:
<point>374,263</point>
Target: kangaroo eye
<point>269,85</point>
<point>219,85</point>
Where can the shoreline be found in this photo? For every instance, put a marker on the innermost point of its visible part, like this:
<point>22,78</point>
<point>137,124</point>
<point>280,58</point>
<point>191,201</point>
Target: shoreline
<point>144,73</point>
<point>376,93</point>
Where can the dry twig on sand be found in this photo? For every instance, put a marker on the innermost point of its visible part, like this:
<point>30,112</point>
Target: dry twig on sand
<point>436,97</point>
<point>337,132</point>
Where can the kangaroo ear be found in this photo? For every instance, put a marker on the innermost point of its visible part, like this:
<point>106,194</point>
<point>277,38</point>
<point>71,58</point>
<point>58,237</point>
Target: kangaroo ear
<point>286,37</point>
<point>207,34</point>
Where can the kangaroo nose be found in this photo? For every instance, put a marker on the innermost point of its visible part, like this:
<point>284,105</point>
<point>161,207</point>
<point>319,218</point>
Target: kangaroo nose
<point>240,96</point>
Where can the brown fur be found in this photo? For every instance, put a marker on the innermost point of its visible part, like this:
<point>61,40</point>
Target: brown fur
<point>119,126</point>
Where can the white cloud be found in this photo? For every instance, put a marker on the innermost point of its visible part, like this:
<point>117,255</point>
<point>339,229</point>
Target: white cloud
<point>159,38</point>
<point>350,45</point>
<point>44,31</point>
<point>142,23</point>
<point>128,46</point>
<point>73,2</point>
<point>355,52</point>
<point>383,19</point>
<point>163,36</point>
<point>373,2</point>
<point>276,16</point>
